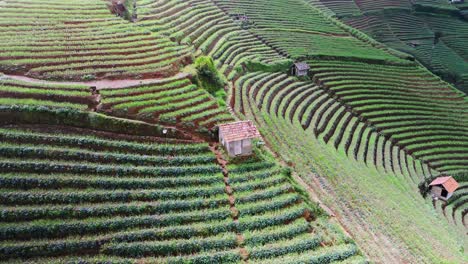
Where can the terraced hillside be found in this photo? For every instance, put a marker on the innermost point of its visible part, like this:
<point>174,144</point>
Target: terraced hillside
<point>173,100</point>
<point>128,170</point>
<point>391,115</point>
<point>300,31</point>
<point>145,200</point>
<point>208,29</point>
<point>17,92</point>
<point>80,40</point>
<point>431,30</point>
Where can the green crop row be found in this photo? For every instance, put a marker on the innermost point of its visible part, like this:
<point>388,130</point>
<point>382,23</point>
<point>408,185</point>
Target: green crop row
<point>81,181</point>
<point>29,151</point>
<point>107,210</point>
<point>61,167</point>
<point>171,247</point>
<point>98,143</point>
<point>68,197</point>
<point>60,229</point>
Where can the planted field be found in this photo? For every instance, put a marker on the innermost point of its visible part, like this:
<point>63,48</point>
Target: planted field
<point>110,197</point>
<point>327,117</point>
<point>277,226</point>
<point>299,30</point>
<point>360,194</point>
<point>207,28</point>
<point>427,118</point>
<point>436,35</point>
<point>173,100</point>
<point>80,40</point>
<point>138,200</point>
<point>16,92</point>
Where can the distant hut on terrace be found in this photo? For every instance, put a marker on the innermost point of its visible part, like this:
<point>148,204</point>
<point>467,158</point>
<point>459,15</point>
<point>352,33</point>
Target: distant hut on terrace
<point>242,19</point>
<point>443,187</point>
<point>300,69</point>
<point>414,43</point>
<point>237,137</point>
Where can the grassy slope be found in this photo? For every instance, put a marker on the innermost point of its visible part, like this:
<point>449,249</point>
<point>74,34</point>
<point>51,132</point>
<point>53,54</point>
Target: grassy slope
<point>383,202</point>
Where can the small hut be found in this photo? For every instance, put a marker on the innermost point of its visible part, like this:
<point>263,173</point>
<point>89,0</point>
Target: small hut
<point>300,69</point>
<point>443,187</point>
<point>237,137</point>
<point>414,43</point>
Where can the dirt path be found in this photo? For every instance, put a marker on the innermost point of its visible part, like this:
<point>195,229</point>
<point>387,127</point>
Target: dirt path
<point>214,147</point>
<point>101,84</point>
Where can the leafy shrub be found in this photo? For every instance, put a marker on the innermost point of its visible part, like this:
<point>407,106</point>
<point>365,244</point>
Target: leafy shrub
<point>208,76</point>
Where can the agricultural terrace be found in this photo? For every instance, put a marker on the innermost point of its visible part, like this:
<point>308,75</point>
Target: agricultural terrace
<point>80,40</point>
<point>129,199</point>
<point>435,35</point>
<point>355,108</point>
<point>173,101</point>
<point>208,29</point>
<point>328,155</point>
<point>300,30</point>
<point>427,117</point>
<point>17,92</point>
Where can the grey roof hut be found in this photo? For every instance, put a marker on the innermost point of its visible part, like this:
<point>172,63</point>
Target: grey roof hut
<point>300,69</point>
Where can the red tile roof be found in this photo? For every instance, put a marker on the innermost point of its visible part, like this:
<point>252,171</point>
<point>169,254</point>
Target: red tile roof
<point>449,183</point>
<point>238,131</point>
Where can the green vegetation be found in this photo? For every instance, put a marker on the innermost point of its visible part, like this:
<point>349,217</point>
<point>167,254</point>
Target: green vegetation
<point>433,31</point>
<point>169,100</point>
<point>362,134</point>
<point>81,41</point>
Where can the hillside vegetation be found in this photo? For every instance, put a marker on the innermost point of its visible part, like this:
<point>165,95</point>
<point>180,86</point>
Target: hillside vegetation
<point>434,31</point>
<point>108,147</point>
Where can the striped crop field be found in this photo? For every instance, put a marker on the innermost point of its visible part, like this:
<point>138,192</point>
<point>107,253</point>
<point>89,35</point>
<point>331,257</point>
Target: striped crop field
<point>300,30</point>
<point>435,34</point>
<point>111,149</point>
<point>17,92</point>
<point>136,200</point>
<point>207,28</point>
<point>173,100</point>
<point>80,40</point>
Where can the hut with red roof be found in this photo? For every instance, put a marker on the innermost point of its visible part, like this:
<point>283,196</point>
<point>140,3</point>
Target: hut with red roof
<point>443,187</point>
<point>237,137</point>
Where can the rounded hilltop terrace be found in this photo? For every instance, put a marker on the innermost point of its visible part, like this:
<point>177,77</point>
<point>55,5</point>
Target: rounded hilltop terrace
<point>215,131</point>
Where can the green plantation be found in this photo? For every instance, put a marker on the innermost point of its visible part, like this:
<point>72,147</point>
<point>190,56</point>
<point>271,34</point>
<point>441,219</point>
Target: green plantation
<point>109,148</point>
<point>149,201</point>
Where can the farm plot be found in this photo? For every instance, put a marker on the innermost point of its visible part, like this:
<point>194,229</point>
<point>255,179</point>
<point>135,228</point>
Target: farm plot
<point>15,92</point>
<point>361,194</point>
<point>341,8</point>
<point>173,100</point>
<point>67,196</point>
<point>323,115</point>
<point>277,225</point>
<point>416,110</point>
<point>111,197</point>
<point>82,40</point>
<point>299,30</point>
<point>376,5</point>
<point>205,26</point>
<point>437,40</point>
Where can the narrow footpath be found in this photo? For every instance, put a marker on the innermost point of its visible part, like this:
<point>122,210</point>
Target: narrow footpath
<point>214,147</point>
